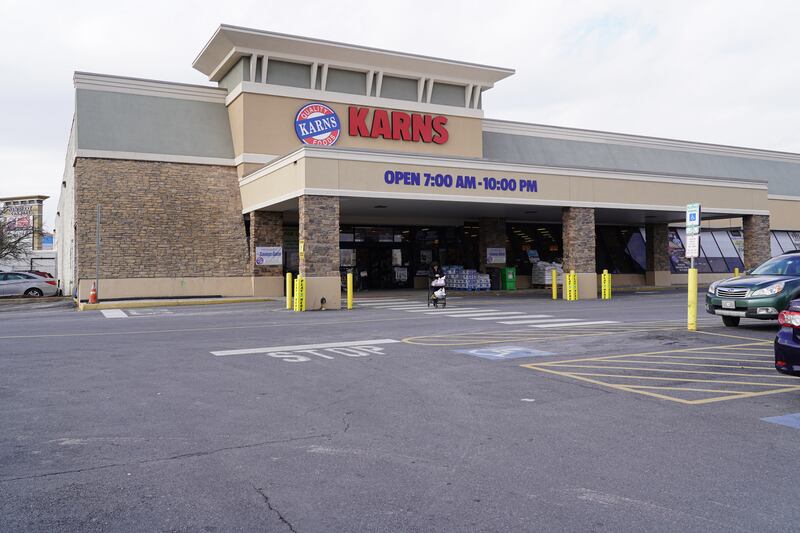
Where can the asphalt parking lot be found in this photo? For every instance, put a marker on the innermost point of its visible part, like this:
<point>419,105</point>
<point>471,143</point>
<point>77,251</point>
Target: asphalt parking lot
<point>493,414</point>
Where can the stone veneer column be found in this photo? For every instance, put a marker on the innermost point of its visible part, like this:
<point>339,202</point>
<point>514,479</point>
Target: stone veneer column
<point>756,240</point>
<point>491,234</point>
<point>657,252</point>
<point>578,234</point>
<point>319,261</point>
<point>266,229</point>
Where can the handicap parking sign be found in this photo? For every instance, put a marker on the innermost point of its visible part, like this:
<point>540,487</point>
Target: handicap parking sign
<point>499,353</point>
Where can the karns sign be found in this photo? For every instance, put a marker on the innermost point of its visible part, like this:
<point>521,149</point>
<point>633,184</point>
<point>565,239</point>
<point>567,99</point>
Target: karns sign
<point>319,125</point>
<point>397,125</point>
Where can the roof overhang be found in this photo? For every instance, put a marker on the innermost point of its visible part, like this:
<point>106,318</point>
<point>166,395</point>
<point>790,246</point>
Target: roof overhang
<point>229,43</point>
<point>358,176</point>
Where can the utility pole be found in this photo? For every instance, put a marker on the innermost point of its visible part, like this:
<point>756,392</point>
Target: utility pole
<point>97,253</point>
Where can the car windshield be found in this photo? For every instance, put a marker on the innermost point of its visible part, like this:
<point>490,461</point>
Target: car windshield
<point>786,265</point>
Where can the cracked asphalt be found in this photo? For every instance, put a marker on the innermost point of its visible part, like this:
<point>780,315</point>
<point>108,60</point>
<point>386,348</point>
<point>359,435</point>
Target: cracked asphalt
<point>134,424</point>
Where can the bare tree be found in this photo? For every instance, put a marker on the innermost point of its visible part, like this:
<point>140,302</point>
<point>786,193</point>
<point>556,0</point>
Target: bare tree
<point>15,243</point>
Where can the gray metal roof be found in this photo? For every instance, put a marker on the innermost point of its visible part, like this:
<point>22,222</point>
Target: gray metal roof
<point>783,177</point>
<point>124,122</point>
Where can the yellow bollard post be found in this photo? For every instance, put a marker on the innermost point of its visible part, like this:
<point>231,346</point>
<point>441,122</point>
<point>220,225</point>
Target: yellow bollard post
<point>565,288</point>
<point>302,294</point>
<point>554,283</point>
<point>288,290</point>
<point>736,272</point>
<point>609,286</point>
<point>296,300</point>
<point>349,290</point>
<point>574,277</point>
<point>692,317</point>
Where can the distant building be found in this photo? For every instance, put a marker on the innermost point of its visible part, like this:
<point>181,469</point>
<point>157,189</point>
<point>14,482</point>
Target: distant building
<point>23,214</point>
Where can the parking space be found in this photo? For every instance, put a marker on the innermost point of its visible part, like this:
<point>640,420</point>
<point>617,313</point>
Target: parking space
<point>691,376</point>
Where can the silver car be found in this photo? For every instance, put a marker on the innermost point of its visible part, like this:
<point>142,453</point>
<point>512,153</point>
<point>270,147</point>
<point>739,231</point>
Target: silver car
<point>26,284</point>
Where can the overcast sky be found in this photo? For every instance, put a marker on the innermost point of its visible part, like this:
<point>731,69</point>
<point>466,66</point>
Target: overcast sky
<point>714,71</point>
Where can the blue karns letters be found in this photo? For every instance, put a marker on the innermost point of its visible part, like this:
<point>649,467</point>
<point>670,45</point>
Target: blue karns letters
<point>447,181</point>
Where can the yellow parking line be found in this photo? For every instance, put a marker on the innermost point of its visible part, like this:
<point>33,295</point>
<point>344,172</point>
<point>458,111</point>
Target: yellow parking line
<point>659,378</point>
<point>723,391</point>
<point>607,357</point>
<point>745,395</point>
<point>676,371</point>
<point>706,358</point>
<point>687,364</point>
<point>751,354</point>
<point>758,341</point>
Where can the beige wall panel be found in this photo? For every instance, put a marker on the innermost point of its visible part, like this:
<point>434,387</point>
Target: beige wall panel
<point>286,180</point>
<point>268,286</point>
<point>326,287</point>
<point>245,169</point>
<point>368,176</point>
<point>133,288</point>
<point>784,214</point>
<point>322,173</point>
<point>676,194</point>
<point>269,129</point>
<point>236,118</point>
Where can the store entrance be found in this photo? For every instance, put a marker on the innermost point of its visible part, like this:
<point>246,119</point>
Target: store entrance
<point>400,257</point>
<point>376,263</point>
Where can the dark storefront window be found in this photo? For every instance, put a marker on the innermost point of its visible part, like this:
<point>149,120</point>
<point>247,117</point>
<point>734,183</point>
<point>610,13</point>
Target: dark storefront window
<point>620,250</point>
<point>528,243</point>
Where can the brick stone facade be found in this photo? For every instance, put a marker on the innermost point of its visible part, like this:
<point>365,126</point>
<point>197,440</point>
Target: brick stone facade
<point>491,234</point>
<point>657,247</point>
<point>266,229</point>
<point>319,233</point>
<point>578,233</point>
<point>756,240</point>
<point>159,220</point>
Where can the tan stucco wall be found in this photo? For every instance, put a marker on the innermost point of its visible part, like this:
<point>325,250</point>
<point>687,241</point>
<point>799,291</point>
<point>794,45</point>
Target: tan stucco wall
<point>132,288</point>
<point>343,175</point>
<point>264,124</point>
<point>784,214</point>
<point>283,181</point>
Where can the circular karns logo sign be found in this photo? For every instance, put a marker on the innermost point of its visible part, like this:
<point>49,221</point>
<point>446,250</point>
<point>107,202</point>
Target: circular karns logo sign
<point>317,125</point>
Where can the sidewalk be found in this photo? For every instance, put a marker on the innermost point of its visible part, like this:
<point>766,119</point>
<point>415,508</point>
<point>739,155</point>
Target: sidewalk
<point>169,302</point>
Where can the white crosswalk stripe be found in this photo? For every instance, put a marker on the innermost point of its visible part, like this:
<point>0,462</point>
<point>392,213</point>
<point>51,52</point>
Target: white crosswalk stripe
<point>506,318</point>
<point>580,324</point>
<point>490,314</point>
<point>538,321</point>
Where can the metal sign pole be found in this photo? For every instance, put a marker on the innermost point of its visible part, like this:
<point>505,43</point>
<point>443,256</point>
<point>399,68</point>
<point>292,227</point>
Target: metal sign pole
<point>97,254</point>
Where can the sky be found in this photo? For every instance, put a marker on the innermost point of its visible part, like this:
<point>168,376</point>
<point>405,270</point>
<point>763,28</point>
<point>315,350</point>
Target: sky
<point>725,72</point>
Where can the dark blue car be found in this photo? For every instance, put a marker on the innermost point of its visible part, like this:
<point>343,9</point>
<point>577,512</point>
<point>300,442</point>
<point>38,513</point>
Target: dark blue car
<point>787,343</point>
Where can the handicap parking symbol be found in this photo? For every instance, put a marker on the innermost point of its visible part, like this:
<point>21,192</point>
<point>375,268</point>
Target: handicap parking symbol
<point>499,353</point>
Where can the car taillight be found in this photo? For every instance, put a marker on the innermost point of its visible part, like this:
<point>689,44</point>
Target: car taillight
<point>50,281</point>
<point>789,318</point>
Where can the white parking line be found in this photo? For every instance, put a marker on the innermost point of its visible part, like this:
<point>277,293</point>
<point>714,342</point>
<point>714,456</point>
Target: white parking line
<point>542,321</point>
<point>456,312</point>
<point>443,309</point>
<point>114,313</point>
<point>268,349</point>
<point>492,314</point>
<point>596,323</point>
<point>494,317</point>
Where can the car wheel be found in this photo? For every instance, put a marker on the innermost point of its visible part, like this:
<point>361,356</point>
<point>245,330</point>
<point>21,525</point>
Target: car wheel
<point>731,321</point>
<point>36,293</point>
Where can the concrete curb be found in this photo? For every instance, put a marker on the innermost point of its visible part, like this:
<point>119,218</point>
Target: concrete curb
<point>134,304</point>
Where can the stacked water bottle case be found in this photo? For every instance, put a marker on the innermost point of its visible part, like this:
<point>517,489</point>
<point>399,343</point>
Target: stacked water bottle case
<point>461,279</point>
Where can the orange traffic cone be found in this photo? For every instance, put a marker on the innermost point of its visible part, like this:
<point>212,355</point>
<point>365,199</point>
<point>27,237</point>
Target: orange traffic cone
<point>93,294</point>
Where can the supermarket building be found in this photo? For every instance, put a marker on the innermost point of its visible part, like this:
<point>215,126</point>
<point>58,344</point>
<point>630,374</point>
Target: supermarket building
<point>313,156</point>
